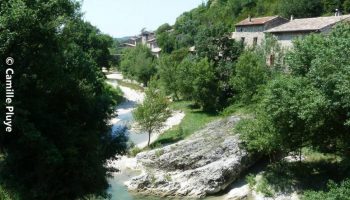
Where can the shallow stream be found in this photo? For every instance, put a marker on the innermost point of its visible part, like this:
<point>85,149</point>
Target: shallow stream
<point>124,117</point>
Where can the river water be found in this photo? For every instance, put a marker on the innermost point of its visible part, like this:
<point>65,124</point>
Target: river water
<point>124,117</point>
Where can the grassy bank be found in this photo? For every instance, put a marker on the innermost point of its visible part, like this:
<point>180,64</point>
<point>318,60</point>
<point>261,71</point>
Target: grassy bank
<point>194,120</point>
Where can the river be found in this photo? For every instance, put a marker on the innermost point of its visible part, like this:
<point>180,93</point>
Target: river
<point>124,117</point>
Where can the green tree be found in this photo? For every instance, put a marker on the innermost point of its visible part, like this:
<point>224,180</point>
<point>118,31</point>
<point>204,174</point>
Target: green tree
<point>288,118</point>
<point>60,141</point>
<point>163,28</point>
<point>91,40</point>
<point>169,73</point>
<point>185,77</point>
<point>329,6</point>
<point>165,38</point>
<point>205,85</point>
<point>138,63</point>
<point>303,55</point>
<point>213,42</point>
<point>300,8</point>
<point>310,107</point>
<point>153,112</point>
<point>166,42</point>
<point>251,72</point>
<point>346,6</point>
<point>334,192</point>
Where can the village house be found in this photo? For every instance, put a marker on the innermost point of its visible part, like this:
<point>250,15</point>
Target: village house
<point>286,33</point>
<point>145,38</point>
<point>132,42</point>
<point>251,30</point>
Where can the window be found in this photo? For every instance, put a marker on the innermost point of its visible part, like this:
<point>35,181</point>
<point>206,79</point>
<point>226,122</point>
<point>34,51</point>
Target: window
<point>255,41</point>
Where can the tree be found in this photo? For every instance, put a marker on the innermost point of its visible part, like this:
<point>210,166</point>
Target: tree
<point>168,70</point>
<point>166,42</point>
<point>288,117</point>
<point>91,40</point>
<point>138,63</point>
<point>213,42</point>
<point>334,191</point>
<point>205,85</point>
<point>251,72</point>
<point>310,106</point>
<point>346,6</point>
<point>165,39</point>
<point>61,139</point>
<point>185,77</point>
<point>153,112</point>
<point>300,8</point>
<point>163,28</point>
<point>303,55</point>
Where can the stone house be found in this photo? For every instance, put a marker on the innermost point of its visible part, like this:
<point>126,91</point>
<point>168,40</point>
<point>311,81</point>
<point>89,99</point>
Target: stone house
<point>132,42</point>
<point>286,33</point>
<point>251,30</point>
<point>146,38</point>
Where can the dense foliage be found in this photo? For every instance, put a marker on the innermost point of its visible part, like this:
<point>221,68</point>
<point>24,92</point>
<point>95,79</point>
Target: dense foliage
<point>310,106</point>
<point>301,98</point>
<point>60,141</point>
<point>251,72</point>
<point>334,192</point>
<point>137,63</point>
<point>170,72</point>
<point>225,13</point>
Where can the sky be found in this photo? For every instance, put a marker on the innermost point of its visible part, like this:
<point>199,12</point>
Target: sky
<point>120,18</point>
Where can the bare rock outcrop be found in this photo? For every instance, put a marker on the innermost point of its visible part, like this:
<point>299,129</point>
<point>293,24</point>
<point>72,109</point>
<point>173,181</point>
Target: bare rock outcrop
<point>203,164</point>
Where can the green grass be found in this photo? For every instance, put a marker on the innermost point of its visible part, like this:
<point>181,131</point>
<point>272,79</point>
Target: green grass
<point>239,109</point>
<point>131,85</point>
<point>194,120</point>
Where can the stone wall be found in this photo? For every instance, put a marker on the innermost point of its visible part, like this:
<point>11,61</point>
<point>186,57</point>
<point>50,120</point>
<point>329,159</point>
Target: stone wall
<point>249,37</point>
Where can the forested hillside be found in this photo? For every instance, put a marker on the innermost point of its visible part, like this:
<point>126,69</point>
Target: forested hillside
<point>224,14</point>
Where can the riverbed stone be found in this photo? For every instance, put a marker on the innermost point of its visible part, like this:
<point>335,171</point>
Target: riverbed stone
<point>203,164</point>
<point>239,193</point>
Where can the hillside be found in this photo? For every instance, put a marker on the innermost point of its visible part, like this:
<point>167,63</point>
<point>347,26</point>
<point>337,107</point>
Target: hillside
<point>298,121</point>
<point>225,13</point>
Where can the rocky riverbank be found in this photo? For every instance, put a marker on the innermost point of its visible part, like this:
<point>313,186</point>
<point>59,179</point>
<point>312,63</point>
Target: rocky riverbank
<point>203,164</point>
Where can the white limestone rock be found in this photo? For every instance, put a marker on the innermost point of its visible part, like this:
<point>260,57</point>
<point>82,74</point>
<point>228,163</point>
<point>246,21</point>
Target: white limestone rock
<point>205,163</point>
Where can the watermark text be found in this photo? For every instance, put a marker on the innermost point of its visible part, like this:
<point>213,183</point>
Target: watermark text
<point>10,95</point>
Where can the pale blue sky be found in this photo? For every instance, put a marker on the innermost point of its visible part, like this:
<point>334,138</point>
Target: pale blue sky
<point>120,18</point>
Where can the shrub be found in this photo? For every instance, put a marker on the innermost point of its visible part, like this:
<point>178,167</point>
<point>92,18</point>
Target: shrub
<point>334,192</point>
<point>250,179</point>
<point>264,188</point>
<point>134,151</point>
